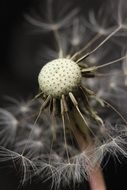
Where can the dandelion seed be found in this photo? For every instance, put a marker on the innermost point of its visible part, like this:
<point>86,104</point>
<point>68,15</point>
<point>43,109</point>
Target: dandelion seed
<point>23,165</point>
<point>8,128</point>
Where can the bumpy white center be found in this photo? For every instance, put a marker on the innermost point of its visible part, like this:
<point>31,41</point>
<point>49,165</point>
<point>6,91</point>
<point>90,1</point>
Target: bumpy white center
<point>59,76</point>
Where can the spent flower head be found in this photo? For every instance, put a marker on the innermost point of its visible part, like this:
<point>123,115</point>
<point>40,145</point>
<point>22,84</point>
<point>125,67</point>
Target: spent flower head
<point>79,114</point>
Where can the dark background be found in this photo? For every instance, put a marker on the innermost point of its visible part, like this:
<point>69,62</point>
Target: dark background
<point>23,84</point>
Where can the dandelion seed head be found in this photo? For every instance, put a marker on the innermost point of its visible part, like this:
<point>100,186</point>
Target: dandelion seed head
<point>76,120</point>
<point>59,76</point>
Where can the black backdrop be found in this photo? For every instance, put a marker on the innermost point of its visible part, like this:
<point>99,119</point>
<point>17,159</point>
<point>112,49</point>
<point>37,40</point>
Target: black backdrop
<point>13,85</point>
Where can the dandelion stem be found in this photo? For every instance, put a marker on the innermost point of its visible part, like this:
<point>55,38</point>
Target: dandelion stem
<point>96,180</point>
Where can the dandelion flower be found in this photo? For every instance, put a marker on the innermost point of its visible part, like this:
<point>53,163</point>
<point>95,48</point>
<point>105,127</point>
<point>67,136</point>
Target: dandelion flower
<point>80,119</point>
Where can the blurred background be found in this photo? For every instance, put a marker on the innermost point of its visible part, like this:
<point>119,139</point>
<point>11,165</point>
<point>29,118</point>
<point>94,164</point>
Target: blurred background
<point>18,73</point>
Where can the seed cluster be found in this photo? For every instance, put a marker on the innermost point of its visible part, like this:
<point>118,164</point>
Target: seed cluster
<point>59,76</point>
